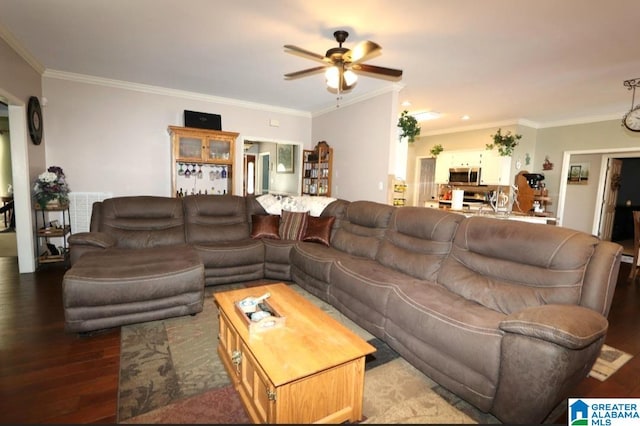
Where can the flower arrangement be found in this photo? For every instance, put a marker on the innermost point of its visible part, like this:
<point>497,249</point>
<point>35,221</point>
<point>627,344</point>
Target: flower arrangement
<point>51,185</point>
<point>409,126</point>
<point>505,143</point>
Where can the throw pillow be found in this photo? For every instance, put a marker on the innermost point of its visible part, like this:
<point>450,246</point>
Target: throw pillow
<point>293,225</point>
<point>319,229</point>
<point>265,226</point>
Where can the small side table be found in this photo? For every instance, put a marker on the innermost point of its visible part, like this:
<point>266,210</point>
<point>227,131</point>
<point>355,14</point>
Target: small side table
<point>45,231</point>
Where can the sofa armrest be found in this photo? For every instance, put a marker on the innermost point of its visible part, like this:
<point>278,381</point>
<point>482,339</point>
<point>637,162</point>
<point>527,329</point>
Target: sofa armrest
<point>94,239</point>
<point>570,326</point>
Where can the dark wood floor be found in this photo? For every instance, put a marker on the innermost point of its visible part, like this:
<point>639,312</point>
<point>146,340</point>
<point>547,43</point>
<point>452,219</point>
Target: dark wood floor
<point>47,376</point>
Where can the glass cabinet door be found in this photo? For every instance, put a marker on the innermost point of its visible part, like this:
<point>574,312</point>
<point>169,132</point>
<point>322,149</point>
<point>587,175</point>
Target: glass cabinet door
<point>218,150</point>
<point>189,148</point>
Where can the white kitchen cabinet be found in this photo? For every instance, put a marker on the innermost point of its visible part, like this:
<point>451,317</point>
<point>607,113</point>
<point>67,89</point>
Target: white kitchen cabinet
<point>496,169</point>
<point>466,158</point>
<point>443,163</point>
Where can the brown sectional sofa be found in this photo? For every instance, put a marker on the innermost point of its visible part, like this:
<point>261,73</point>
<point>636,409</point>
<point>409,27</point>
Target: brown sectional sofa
<point>508,315</point>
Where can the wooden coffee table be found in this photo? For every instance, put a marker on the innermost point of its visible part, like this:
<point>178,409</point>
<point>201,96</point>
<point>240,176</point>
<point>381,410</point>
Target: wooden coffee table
<point>309,370</point>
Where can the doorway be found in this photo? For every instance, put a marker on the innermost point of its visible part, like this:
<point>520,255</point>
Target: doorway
<point>426,187</point>
<point>249,181</point>
<point>258,154</point>
<point>20,177</point>
<point>264,169</point>
<point>602,222</point>
<point>8,243</point>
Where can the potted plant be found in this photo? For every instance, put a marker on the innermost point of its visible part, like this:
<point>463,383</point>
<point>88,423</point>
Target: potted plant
<point>51,187</point>
<point>409,126</point>
<point>436,149</point>
<point>505,143</point>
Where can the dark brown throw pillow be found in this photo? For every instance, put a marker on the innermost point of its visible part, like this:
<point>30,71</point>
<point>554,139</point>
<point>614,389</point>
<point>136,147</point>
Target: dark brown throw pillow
<point>319,229</point>
<point>293,225</point>
<point>265,226</point>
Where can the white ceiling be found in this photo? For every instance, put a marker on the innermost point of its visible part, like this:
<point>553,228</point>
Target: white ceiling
<point>546,62</point>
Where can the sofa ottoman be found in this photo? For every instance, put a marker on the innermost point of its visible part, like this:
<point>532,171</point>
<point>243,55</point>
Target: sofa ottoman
<point>123,286</point>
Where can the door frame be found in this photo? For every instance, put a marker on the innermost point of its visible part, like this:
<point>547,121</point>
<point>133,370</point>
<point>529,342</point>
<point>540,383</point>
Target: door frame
<point>606,154</point>
<point>18,141</point>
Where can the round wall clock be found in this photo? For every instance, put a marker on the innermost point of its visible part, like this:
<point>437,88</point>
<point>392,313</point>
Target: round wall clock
<point>34,118</point>
<point>632,120</point>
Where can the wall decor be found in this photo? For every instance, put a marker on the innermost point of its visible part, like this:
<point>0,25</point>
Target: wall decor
<point>578,174</point>
<point>284,158</point>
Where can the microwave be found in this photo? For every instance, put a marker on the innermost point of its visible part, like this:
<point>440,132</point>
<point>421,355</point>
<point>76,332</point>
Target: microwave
<point>464,176</point>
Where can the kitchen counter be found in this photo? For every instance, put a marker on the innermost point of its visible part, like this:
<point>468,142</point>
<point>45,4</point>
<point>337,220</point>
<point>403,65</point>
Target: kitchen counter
<point>543,218</point>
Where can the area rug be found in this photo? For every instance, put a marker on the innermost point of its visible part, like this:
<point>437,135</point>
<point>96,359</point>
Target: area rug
<point>170,373</point>
<point>609,361</point>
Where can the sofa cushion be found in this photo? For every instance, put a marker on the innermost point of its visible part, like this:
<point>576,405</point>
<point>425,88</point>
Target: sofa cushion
<point>457,340</point>
<point>143,221</point>
<point>363,228</point>
<point>418,240</point>
<point>319,229</point>
<point>293,225</point>
<point>265,226</point>
<point>215,218</point>
<point>493,262</point>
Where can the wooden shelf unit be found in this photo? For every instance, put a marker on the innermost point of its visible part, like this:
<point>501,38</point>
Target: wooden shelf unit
<point>44,232</point>
<point>206,153</point>
<point>317,167</point>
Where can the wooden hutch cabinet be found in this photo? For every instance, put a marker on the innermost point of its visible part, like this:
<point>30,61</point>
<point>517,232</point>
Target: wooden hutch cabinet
<point>317,165</point>
<point>201,161</point>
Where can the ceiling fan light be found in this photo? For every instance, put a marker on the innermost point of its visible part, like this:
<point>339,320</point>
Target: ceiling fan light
<point>350,78</point>
<point>332,74</point>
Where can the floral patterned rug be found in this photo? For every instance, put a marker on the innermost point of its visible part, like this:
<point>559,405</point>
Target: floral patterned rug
<point>170,373</point>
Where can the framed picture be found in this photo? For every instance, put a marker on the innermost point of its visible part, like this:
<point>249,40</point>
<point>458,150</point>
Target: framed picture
<point>578,174</point>
<point>284,158</point>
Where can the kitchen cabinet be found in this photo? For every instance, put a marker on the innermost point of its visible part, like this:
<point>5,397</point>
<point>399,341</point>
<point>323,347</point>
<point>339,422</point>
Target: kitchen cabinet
<point>466,158</point>
<point>202,161</point>
<point>443,163</point>
<point>496,169</point>
<point>317,166</point>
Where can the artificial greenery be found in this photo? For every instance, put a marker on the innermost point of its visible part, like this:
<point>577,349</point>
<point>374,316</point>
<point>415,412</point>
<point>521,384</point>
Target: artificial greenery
<point>436,149</point>
<point>505,143</point>
<point>409,126</point>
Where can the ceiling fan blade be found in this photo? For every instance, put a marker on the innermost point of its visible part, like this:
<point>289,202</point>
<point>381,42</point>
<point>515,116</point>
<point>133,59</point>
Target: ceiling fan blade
<point>362,51</point>
<point>390,72</point>
<point>305,53</point>
<point>304,73</point>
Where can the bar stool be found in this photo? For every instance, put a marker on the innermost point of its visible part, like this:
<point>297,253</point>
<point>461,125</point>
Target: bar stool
<point>636,245</point>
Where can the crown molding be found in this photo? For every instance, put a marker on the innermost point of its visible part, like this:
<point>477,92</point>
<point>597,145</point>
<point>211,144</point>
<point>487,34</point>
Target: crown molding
<point>9,38</point>
<point>157,90</point>
<point>582,120</point>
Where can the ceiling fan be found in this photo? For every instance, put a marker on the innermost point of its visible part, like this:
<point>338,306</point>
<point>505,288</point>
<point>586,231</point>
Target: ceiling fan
<point>339,63</point>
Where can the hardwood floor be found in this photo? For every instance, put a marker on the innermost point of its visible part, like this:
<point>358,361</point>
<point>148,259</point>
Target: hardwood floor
<point>48,376</point>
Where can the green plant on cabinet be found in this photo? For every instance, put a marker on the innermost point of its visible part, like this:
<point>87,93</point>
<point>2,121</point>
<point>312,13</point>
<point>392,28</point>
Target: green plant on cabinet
<point>505,143</point>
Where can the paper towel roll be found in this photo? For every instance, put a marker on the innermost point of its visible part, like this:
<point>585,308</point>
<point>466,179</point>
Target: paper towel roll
<point>456,199</point>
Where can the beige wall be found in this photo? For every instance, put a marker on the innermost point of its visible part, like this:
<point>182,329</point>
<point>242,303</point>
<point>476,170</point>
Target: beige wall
<point>363,137</point>
<point>115,139</point>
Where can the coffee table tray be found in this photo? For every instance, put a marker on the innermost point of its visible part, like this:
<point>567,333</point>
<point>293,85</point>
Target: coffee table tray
<point>273,320</point>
